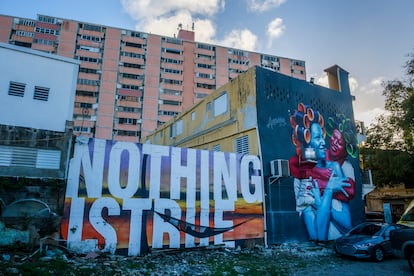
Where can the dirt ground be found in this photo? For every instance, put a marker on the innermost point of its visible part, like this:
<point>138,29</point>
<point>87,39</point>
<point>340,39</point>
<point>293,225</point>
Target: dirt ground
<point>287,259</point>
<point>349,267</point>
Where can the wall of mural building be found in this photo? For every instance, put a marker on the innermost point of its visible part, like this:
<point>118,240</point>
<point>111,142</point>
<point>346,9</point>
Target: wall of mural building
<point>275,117</point>
<point>312,176</point>
<point>129,198</point>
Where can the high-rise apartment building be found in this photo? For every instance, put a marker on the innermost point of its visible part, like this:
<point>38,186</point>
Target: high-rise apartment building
<point>130,82</point>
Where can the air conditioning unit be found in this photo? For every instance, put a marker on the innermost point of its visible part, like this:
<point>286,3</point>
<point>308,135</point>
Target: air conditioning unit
<point>279,168</point>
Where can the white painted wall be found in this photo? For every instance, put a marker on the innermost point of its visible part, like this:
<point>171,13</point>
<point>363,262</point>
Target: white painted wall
<point>36,68</point>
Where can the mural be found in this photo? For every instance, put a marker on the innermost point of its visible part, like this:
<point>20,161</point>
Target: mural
<point>324,180</point>
<point>127,198</point>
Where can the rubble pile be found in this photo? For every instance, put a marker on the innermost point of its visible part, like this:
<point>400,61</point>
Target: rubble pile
<point>52,258</point>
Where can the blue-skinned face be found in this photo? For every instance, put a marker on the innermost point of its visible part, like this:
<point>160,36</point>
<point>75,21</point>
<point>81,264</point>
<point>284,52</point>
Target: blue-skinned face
<point>317,141</point>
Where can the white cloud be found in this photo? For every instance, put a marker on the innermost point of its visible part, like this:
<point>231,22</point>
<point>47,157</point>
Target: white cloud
<point>168,26</point>
<point>264,5</point>
<point>368,116</point>
<point>150,9</point>
<point>369,102</point>
<point>275,29</point>
<point>162,17</point>
<point>321,80</point>
<point>353,84</point>
<point>241,39</point>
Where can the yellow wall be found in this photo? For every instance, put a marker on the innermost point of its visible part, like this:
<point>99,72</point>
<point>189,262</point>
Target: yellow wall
<point>203,130</point>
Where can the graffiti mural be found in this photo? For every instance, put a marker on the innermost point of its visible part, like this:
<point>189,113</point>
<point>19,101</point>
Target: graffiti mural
<point>324,181</point>
<point>128,198</point>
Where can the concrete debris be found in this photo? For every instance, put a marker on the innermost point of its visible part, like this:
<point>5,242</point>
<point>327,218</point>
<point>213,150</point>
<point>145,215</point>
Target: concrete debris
<point>199,261</point>
<point>11,236</point>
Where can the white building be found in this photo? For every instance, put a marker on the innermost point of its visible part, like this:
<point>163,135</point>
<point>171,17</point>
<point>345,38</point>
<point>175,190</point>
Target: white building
<point>37,92</point>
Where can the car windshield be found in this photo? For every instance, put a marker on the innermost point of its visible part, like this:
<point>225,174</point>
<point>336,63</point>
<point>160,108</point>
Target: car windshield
<point>409,215</point>
<point>366,229</point>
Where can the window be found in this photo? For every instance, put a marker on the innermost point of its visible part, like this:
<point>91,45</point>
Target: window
<point>193,114</point>
<point>217,147</point>
<point>172,71</point>
<point>129,109</point>
<point>170,60</point>
<point>206,86</point>
<point>135,45</point>
<point>204,75</point>
<point>41,93</point>
<point>88,82</point>
<point>129,98</point>
<point>86,93</point>
<point>131,87</point>
<point>167,113</point>
<point>202,65</point>
<point>132,65</point>
<point>83,105</point>
<point>43,41</point>
<point>172,51</point>
<point>46,19</point>
<point>133,55</point>
<point>128,133</point>
<point>205,46</point>
<point>16,89</point>
<point>91,38</point>
<point>220,105</point>
<point>88,59</point>
<point>241,145</point>
<point>91,27</point>
<point>89,49</point>
<point>23,33</point>
<point>131,76</point>
<point>26,22</point>
<point>170,81</point>
<point>179,127</point>
<point>172,40</point>
<point>88,70</point>
<point>171,131</point>
<point>171,92</point>
<point>170,102</point>
<point>82,129</point>
<point>204,56</point>
<point>127,121</point>
<point>46,31</point>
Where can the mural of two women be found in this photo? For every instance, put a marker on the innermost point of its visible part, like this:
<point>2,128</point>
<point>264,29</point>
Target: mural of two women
<point>324,181</point>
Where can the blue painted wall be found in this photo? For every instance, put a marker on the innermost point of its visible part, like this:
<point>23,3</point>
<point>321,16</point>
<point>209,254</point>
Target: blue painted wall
<point>278,96</point>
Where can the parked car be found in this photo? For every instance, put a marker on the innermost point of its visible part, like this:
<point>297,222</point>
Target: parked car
<point>374,216</point>
<point>402,244</point>
<point>368,240</point>
<point>407,217</point>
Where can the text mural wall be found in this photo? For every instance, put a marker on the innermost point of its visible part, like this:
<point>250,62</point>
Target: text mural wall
<point>128,198</point>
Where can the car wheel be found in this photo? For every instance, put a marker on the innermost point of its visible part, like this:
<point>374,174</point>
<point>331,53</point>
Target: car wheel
<point>378,254</point>
<point>411,260</point>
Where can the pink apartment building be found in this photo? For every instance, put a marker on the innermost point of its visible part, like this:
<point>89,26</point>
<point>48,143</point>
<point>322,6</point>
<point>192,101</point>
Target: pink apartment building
<point>131,82</point>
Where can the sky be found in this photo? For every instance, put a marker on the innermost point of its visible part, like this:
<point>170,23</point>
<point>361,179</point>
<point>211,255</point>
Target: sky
<point>370,39</point>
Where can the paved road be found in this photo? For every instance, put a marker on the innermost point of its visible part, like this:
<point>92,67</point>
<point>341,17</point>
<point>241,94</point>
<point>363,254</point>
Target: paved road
<point>350,267</point>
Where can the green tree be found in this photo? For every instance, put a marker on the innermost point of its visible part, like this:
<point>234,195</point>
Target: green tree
<point>389,148</point>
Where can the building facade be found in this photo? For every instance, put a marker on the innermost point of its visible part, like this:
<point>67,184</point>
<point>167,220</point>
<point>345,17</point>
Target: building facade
<point>36,112</point>
<point>301,132</point>
<point>131,82</point>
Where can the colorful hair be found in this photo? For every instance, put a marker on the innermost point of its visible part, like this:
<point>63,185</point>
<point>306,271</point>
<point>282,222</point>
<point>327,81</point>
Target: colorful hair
<point>344,125</point>
<point>301,121</point>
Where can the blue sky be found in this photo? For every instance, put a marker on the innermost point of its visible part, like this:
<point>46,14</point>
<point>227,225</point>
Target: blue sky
<point>368,38</point>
